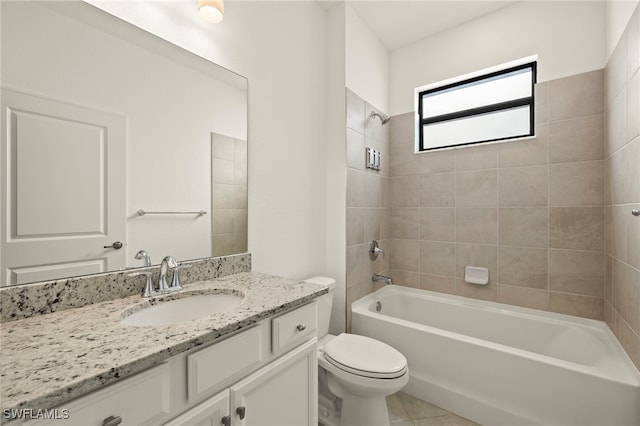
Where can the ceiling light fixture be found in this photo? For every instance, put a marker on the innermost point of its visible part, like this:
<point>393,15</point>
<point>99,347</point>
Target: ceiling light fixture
<point>211,10</point>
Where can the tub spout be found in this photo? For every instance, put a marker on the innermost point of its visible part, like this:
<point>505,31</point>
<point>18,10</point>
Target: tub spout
<point>384,279</point>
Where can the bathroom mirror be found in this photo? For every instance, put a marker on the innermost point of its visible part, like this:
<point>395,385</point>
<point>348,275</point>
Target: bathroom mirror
<point>113,135</point>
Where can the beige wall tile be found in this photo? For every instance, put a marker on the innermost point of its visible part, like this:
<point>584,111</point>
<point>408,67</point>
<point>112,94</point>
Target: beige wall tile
<point>437,224</point>
<point>578,305</point>
<point>619,231</point>
<point>576,184</point>
<point>608,278</point>
<point>578,139</point>
<point>577,272</point>
<point>405,278</point>
<point>229,196</point>
<point>404,191</point>
<point>404,223</point>
<point>355,150</point>
<point>372,225</point>
<point>357,257</point>
<point>436,161</point>
<point>633,107</point>
<point>523,186</point>
<point>633,241</point>
<point>626,293</point>
<point>484,256</point>
<point>437,283</point>
<point>576,96</point>
<point>616,124</point>
<point>373,189</point>
<point>476,189</point>
<point>523,267</point>
<point>578,228</point>
<point>404,254</point>
<point>615,74</point>
<point>476,157</point>
<point>402,160</point>
<point>542,102</point>
<point>628,339</point>
<point>437,190</point>
<point>524,227</point>
<point>633,43</point>
<point>355,112</point>
<point>483,292</point>
<point>437,258</point>
<point>477,225</point>
<point>523,296</point>
<point>525,152</point>
<point>624,172</point>
<point>355,226</point>
<point>355,188</point>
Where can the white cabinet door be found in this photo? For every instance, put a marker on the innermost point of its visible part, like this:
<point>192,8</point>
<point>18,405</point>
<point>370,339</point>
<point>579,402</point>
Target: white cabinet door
<point>284,393</point>
<point>63,189</point>
<point>213,412</point>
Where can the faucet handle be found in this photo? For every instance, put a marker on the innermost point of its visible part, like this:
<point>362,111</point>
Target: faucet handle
<point>175,281</point>
<point>375,250</point>
<point>148,288</point>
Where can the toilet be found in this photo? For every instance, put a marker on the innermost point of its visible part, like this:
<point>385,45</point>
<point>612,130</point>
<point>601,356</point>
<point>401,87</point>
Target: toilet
<point>355,372</point>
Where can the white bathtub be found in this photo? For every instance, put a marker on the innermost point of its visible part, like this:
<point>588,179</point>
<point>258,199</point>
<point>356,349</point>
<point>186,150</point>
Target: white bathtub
<point>504,365</point>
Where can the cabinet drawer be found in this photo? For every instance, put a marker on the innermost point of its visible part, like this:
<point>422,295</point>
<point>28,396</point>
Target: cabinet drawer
<point>210,369</point>
<point>138,400</point>
<point>291,329</point>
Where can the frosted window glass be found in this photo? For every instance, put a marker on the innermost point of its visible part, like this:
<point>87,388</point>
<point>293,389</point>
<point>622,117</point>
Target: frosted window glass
<point>502,88</point>
<point>491,126</point>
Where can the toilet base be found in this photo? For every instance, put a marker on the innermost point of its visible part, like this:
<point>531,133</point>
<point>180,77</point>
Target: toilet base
<point>367,411</point>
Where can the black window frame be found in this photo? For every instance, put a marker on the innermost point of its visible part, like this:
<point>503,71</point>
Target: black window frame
<point>477,111</point>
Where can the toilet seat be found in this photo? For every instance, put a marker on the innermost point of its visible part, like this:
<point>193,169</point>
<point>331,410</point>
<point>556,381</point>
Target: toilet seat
<point>365,357</point>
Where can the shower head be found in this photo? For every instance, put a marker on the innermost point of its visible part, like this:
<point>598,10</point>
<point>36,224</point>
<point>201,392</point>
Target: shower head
<point>383,118</point>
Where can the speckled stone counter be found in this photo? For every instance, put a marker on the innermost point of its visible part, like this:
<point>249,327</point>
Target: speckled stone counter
<point>50,359</point>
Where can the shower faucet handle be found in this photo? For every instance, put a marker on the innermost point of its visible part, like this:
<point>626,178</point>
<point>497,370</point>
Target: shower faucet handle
<point>375,250</point>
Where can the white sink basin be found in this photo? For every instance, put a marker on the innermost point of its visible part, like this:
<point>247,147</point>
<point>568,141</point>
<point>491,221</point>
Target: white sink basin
<point>180,310</point>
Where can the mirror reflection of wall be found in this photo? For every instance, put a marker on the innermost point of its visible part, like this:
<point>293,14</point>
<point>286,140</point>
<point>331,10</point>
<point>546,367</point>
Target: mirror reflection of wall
<point>171,101</point>
<point>229,195</point>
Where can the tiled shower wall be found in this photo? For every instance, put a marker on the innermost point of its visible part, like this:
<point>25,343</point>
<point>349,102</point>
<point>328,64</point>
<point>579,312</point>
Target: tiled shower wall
<point>622,190</point>
<point>367,199</point>
<point>531,211</point>
<point>229,178</point>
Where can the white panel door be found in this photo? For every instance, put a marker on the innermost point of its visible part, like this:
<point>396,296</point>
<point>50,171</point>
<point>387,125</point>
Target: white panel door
<point>63,189</point>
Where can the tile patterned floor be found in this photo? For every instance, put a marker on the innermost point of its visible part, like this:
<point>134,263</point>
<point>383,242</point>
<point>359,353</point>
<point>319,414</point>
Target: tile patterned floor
<point>405,410</point>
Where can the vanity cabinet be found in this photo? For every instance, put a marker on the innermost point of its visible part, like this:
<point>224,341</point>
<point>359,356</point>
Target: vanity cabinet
<point>279,394</point>
<point>264,375</point>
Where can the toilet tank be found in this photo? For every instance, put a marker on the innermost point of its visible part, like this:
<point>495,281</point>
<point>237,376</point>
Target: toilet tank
<point>324,303</point>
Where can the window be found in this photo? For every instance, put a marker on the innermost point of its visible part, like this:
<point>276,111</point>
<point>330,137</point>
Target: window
<point>492,105</point>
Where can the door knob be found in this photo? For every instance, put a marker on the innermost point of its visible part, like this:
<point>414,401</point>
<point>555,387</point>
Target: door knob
<point>117,245</point>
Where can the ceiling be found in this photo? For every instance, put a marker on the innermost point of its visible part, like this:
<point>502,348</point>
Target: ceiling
<point>398,23</point>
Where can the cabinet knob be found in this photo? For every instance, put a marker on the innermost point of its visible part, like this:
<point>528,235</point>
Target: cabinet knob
<point>112,421</point>
<point>241,411</point>
<point>301,327</point>
<point>226,421</point>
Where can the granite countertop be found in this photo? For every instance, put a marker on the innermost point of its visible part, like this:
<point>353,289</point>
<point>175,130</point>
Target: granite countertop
<point>50,359</point>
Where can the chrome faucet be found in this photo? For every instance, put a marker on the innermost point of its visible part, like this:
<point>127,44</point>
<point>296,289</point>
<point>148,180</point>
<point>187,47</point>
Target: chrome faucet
<point>144,256</point>
<point>382,278</point>
<point>167,262</point>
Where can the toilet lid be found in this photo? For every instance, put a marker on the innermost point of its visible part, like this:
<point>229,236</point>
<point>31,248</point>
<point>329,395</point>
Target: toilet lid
<point>365,356</point>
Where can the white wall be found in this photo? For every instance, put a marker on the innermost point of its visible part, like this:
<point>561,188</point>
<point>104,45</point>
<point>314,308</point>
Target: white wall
<point>618,14</point>
<point>281,48</point>
<point>568,37</point>
<point>336,163</point>
<point>367,62</point>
